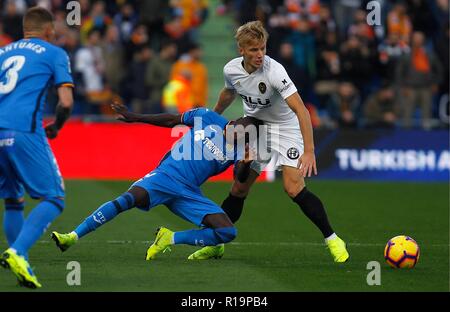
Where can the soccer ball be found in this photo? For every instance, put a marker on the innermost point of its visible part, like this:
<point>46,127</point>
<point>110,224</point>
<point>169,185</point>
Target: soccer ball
<point>402,252</point>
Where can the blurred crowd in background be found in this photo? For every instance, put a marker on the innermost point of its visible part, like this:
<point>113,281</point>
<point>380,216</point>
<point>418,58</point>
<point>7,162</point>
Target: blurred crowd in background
<point>148,55</point>
<point>383,75</point>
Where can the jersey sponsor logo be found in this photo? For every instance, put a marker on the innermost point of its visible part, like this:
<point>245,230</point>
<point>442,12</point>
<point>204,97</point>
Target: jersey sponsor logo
<point>286,86</point>
<point>255,102</point>
<point>262,87</point>
<point>293,153</point>
<point>284,81</point>
<point>7,142</point>
<point>214,150</point>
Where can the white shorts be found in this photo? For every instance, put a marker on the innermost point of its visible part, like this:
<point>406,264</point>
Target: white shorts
<point>284,148</point>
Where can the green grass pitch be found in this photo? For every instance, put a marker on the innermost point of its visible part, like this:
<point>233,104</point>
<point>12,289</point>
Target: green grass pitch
<point>277,248</point>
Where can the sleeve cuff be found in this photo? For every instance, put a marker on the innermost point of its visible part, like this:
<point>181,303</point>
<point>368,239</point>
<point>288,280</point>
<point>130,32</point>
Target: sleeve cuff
<point>65,84</point>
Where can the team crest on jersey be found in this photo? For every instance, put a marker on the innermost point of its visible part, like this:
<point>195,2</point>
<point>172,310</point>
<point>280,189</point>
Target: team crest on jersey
<point>262,87</point>
<point>293,153</point>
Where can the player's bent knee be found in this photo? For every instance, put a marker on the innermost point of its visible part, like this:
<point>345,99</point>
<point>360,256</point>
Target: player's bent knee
<point>292,193</point>
<point>293,190</point>
<point>141,198</point>
<point>226,234</point>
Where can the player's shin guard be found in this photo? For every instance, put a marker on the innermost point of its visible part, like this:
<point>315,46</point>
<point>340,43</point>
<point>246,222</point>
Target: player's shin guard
<point>105,213</point>
<point>313,208</point>
<point>233,206</point>
<point>37,223</point>
<point>206,236</point>
<point>13,221</point>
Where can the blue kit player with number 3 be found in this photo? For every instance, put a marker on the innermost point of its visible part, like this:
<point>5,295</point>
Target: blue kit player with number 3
<point>27,68</point>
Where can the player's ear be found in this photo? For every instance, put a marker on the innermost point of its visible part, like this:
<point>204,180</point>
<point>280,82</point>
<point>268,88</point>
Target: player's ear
<point>49,31</point>
<point>241,50</point>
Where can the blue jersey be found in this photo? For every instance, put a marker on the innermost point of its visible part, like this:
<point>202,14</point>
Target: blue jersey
<point>27,68</point>
<point>202,152</point>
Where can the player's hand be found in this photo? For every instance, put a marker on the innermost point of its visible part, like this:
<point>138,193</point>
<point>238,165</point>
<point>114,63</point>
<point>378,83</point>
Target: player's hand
<point>51,131</point>
<point>307,164</point>
<point>249,154</point>
<point>125,114</point>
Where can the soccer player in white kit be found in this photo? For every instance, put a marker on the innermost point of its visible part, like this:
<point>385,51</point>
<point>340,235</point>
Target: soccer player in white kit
<point>268,94</point>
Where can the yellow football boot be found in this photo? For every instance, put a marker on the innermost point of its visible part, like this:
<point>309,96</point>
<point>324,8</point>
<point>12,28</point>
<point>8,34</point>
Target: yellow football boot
<point>163,241</point>
<point>64,241</point>
<point>208,252</point>
<point>20,268</point>
<point>337,249</point>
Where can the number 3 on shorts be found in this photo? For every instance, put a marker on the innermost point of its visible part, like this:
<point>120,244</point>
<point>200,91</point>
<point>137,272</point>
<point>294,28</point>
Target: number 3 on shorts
<point>12,64</point>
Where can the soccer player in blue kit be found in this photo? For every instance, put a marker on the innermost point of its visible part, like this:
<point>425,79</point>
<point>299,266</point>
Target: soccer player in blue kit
<point>27,68</point>
<point>204,151</point>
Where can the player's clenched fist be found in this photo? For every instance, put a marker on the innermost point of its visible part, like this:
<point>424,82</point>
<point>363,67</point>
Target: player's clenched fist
<point>51,131</point>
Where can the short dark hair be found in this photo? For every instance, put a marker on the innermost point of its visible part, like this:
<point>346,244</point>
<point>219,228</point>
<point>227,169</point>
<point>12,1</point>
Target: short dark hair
<point>35,18</point>
<point>248,120</point>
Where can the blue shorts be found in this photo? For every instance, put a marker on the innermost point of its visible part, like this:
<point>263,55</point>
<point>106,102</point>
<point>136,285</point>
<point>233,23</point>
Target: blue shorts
<point>186,202</point>
<point>27,164</point>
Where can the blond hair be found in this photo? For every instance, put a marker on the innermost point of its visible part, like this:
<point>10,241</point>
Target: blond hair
<point>251,31</point>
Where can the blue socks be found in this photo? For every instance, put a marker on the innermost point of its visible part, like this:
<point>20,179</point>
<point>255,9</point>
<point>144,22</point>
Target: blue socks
<point>105,213</point>
<point>13,221</point>
<point>206,236</point>
<point>36,224</point>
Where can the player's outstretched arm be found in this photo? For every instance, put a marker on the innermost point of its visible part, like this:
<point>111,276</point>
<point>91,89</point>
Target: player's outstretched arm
<point>63,111</point>
<point>161,120</point>
<point>226,97</point>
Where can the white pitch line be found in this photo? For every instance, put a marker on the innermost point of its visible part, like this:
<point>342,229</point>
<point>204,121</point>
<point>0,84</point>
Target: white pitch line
<point>123,242</point>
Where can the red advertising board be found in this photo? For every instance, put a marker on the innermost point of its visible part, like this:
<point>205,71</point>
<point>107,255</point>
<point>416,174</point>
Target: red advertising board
<point>113,150</point>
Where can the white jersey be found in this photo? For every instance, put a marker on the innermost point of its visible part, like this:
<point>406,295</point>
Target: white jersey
<point>264,91</point>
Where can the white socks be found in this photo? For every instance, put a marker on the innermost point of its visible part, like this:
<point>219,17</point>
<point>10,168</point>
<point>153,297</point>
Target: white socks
<point>332,236</point>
